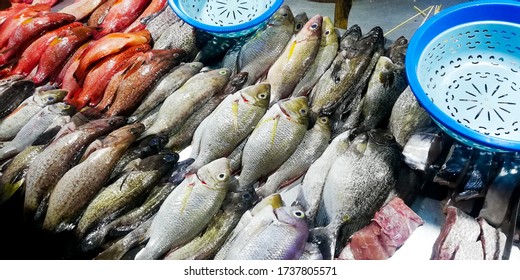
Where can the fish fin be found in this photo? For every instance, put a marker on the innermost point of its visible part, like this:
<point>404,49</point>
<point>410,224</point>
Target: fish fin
<point>275,127</point>
<point>325,238</point>
<point>94,146</point>
<point>291,49</point>
<point>234,109</point>
<point>9,189</point>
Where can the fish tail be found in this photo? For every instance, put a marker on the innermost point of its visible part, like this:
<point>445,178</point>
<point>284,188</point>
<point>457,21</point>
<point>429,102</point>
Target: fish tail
<point>325,238</point>
<point>115,252</point>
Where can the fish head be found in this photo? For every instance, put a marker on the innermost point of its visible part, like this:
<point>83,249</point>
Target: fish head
<point>195,67</point>
<point>236,82</point>
<point>299,21</point>
<point>374,39</point>
<point>257,95</point>
<point>323,123</point>
<point>162,162</point>
<point>62,109</point>
<point>241,199</point>
<point>382,142</point>
<point>221,75</point>
<point>216,174</point>
<point>312,29</point>
<point>153,142</point>
<point>296,109</point>
<point>282,17</point>
<point>328,32</point>
<point>124,136</point>
<point>350,37</point>
<point>52,96</point>
<point>397,51</point>
<point>359,143</point>
<point>103,124</point>
<point>293,215</point>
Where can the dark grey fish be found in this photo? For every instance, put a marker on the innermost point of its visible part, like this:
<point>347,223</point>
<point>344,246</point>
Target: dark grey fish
<point>214,49</point>
<point>12,93</point>
<point>455,166</point>
<point>478,176</point>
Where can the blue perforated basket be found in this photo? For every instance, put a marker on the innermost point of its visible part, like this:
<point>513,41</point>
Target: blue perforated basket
<point>463,66</point>
<point>225,18</point>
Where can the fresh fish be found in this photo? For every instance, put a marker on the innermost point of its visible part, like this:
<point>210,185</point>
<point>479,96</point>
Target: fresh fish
<point>11,125</point>
<point>158,24</point>
<point>12,93</point>
<point>34,127</point>
<point>261,216</point>
<point>299,21</point>
<point>312,146</point>
<point>424,148</point>
<point>407,116</point>
<point>14,176</point>
<point>99,77</point>
<point>230,60</point>
<point>65,79</point>
<point>231,122</point>
<point>141,77</point>
<point>82,8</point>
<point>298,56</point>
<point>99,14</point>
<point>179,35</point>
<point>261,51</point>
<point>121,14</point>
<point>148,146</point>
<point>357,185</point>
<point>134,218</point>
<point>347,75</point>
<point>119,197</point>
<point>168,84</point>
<point>326,54</point>
<point>153,8</point>
<point>30,30</point>
<point>32,54</point>
<point>188,209</point>
<point>213,50</point>
<point>117,250</point>
<point>205,246</point>
<point>274,139</point>
<point>59,157</point>
<point>350,36</point>
<point>13,10</point>
<point>18,16</point>
<point>281,237</point>
<point>110,44</point>
<point>183,137</point>
<point>183,102</point>
<point>80,184</point>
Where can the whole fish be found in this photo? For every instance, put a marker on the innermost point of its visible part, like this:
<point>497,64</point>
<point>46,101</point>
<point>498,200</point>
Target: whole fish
<point>14,176</point>
<point>148,146</point>
<point>358,184</point>
<point>168,84</point>
<point>205,246</point>
<point>12,93</point>
<point>274,139</point>
<point>59,50</point>
<point>13,10</point>
<point>326,54</point>
<point>186,100</point>
<point>110,44</point>
<point>121,14</point>
<point>158,24</point>
<point>117,250</point>
<point>281,237</point>
<point>17,17</point>
<point>30,30</point>
<point>261,51</point>
<point>34,128</point>
<point>59,157</point>
<point>299,21</point>
<point>153,8</point>
<point>99,77</point>
<point>179,35</point>
<point>32,54</point>
<point>183,137</point>
<point>213,50</point>
<point>292,64</point>
<point>312,146</point>
<point>11,125</point>
<point>231,122</point>
<point>99,14</point>
<point>80,184</point>
<point>82,8</point>
<point>119,197</point>
<point>134,218</point>
<point>347,75</point>
<point>188,209</point>
<point>407,116</point>
<point>140,78</point>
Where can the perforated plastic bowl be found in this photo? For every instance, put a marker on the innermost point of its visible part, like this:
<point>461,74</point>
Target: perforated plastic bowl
<point>225,18</point>
<point>463,66</point>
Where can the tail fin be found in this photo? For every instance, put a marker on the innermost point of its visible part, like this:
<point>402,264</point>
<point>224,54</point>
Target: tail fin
<point>325,238</point>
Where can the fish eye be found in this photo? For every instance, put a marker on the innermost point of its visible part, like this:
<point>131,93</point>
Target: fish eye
<point>323,120</point>
<point>299,26</point>
<point>169,158</point>
<point>284,14</point>
<point>303,111</point>
<point>223,72</point>
<point>298,214</point>
<point>262,96</point>
<point>247,196</point>
<point>50,98</point>
<point>221,176</point>
<point>389,136</point>
<point>314,26</point>
<point>327,32</point>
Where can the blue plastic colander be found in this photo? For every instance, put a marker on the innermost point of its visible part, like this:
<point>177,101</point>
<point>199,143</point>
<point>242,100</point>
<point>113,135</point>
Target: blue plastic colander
<point>463,66</point>
<point>225,18</point>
